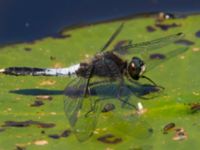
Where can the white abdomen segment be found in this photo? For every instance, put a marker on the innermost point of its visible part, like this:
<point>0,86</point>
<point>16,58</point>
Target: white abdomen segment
<point>19,71</point>
<point>62,71</point>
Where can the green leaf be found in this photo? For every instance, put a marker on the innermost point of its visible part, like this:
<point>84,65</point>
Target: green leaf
<point>120,128</point>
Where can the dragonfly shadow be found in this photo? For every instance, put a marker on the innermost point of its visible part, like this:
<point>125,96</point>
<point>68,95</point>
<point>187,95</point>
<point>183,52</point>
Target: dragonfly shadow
<point>35,92</point>
<point>141,91</point>
<point>104,90</point>
<point>111,90</point>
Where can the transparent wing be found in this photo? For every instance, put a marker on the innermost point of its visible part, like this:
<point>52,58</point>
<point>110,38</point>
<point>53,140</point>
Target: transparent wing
<point>126,101</point>
<point>114,35</point>
<point>145,47</point>
<point>156,59</point>
<point>80,110</point>
<point>74,99</point>
<point>128,97</point>
<point>132,125</point>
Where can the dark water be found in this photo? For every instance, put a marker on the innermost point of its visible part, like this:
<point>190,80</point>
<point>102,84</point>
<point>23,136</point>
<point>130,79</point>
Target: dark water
<point>25,20</point>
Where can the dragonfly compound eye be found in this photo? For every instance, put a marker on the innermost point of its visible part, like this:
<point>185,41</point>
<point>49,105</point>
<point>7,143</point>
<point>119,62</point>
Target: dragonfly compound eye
<point>136,68</point>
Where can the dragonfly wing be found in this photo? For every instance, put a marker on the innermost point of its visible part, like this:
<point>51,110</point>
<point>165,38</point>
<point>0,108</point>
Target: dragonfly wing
<point>140,128</point>
<point>114,35</point>
<point>145,47</point>
<point>128,100</point>
<point>132,125</point>
<point>77,106</point>
<point>154,62</point>
<point>87,120</point>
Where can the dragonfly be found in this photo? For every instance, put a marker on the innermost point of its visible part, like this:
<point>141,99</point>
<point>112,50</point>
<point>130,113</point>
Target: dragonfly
<point>106,67</point>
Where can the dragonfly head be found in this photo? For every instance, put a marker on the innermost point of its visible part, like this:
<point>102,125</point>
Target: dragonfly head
<point>136,68</point>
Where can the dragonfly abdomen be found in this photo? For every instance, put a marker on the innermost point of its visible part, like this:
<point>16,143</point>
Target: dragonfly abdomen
<point>22,71</point>
<point>19,71</point>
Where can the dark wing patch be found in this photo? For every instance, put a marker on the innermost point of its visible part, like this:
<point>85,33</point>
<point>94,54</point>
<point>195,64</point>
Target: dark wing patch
<point>114,35</point>
<point>120,44</point>
<point>145,47</point>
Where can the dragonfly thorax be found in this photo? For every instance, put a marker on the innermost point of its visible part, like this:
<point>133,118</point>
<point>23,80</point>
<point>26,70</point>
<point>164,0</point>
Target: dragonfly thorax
<point>136,68</point>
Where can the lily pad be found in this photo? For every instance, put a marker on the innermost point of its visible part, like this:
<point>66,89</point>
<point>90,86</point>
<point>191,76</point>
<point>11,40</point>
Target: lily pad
<point>179,76</point>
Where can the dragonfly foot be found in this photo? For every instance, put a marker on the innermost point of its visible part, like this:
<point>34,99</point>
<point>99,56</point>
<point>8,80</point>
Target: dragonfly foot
<point>140,109</point>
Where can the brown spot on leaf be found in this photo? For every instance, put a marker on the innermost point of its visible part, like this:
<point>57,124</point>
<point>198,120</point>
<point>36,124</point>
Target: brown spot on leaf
<point>195,108</point>
<point>166,27</point>
<point>157,56</point>
<point>150,29</point>
<point>27,123</point>
<point>168,127</point>
<point>65,133</point>
<point>109,139</point>
<point>197,34</point>
<point>37,103</point>
<point>20,147</point>
<point>42,132</point>
<point>52,58</point>
<point>108,107</point>
<point>180,134</point>
<point>54,136</point>
<point>150,130</point>
<point>27,49</point>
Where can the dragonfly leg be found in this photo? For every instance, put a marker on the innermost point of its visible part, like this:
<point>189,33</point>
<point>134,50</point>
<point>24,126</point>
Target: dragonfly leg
<point>126,102</point>
<point>91,110</point>
<point>87,91</point>
<point>119,94</point>
<point>156,85</point>
<point>154,88</point>
<point>93,106</point>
